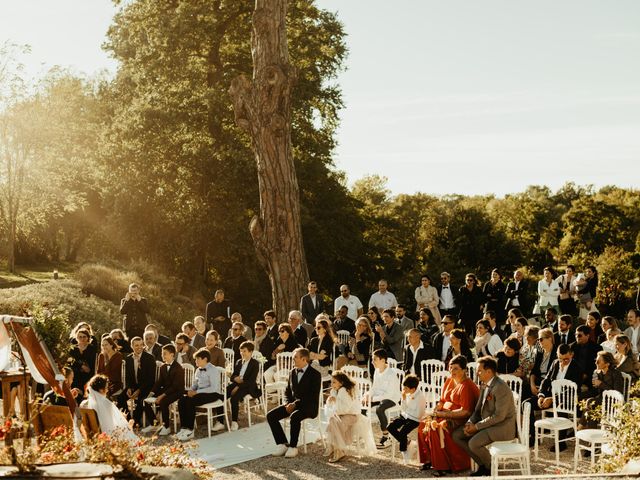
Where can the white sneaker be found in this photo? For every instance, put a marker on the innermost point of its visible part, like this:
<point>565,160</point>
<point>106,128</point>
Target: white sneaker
<point>291,452</point>
<point>149,429</point>
<point>218,427</point>
<point>234,426</point>
<point>405,458</point>
<point>187,435</point>
<point>164,431</point>
<point>280,450</point>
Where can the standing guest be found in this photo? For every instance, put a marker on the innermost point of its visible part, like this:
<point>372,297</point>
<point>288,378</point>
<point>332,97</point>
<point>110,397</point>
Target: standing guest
<point>110,364</point>
<point>493,420</point>
<point>218,313</point>
<point>436,447</point>
<point>201,325</point>
<point>121,340</point>
<point>384,393</point>
<point>134,309</point>
<point>544,359</point>
<point>185,352</point>
<point>82,359</point>
<point>52,398</point>
<point>236,339</point>
<point>587,288</point>
<point>584,354</point>
<point>260,328</point>
<point>508,359</point>
<point>321,348</point>
<point>243,381</point>
<point>168,388</point>
<point>471,303</point>
<point>564,333</point>
<point>568,288</point>
<point>302,397</point>
<point>426,296</point>
<point>415,353</point>
<point>246,329</point>
<point>383,299</point>
<point>494,296</point>
<point>140,373</point>
<point>353,303</point>
<point>300,333</point>
<point>441,341</point>
<point>413,404</point>
<point>151,346</point>
<point>459,346</point>
<point>487,342</point>
<point>427,326</point>
<point>286,343</point>
<point>391,335</point>
<point>447,294</point>
<point>343,322</point>
<point>548,291</point>
<point>517,293</point>
<point>593,322</point>
<point>625,360</point>
<point>161,339</point>
<point>401,318</point>
<point>607,323</point>
<point>311,304</point>
<point>195,338</point>
<point>343,422</point>
<point>216,353</point>
<point>206,388</point>
<point>633,331</point>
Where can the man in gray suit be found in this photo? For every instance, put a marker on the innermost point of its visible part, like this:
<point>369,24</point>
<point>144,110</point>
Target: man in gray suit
<point>494,418</point>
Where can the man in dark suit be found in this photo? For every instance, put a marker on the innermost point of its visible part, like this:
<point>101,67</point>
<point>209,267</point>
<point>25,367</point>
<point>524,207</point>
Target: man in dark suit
<point>243,381</point>
<point>448,298</point>
<point>342,322</point>
<point>151,346</point>
<point>440,340</point>
<point>493,420</point>
<point>185,352</point>
<point>564,367</point>
<point>218,314</point>
<point>236,339</point>
<point>311,304</point>
<point>140,372</point>
<point>161,339</point>
<point>168,388</point>
<point>551,319</point>
<point>564,334</point>
<point>584,354</point>
<point>415,353</point>
<point>517,294</point>
<point>302,396</point>
<point>196,340</point>
<point>299,331</point>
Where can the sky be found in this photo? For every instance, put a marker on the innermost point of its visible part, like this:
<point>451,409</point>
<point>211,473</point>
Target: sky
<point>445,96</point>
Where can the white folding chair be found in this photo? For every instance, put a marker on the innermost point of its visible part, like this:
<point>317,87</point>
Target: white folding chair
<point>258,403</point>
<point>343,337</point>
<point>565,400</point>
<point>428,368</point>
<point>627,385</point>
<point>437,382</point>
<point>229,359</point>
<point>472,372</point>
<point>123,373</point>
<point>392,363</point>
<point>354,372</point>
<point>363,386</point>
<point>317,420</point>
<point>509,451</point>
<point>612,401</point>
<point>188,382</point>
<point>159,365</point>
<point>284,365</point>
<point>515,383</point>
<point>207,409</point>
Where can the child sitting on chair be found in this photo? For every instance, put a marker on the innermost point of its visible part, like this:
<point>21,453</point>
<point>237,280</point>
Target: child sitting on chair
<point>413,406</point>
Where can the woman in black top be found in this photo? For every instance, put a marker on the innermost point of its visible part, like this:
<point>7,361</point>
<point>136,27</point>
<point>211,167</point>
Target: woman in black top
<point>82,359</point>
<point>509,357</point>
<point>459,346</point>
<point>321,347</point>
<point>494,296</point>
<point>470,300</point>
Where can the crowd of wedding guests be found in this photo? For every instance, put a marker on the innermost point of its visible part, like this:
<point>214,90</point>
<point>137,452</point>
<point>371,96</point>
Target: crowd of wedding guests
<point>559,335</point>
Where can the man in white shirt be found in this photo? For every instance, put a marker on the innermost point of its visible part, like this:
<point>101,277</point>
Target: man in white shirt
<point>447,295</point>
<point>383,299</point>
<point>633,331</point>
<point>353,303</point>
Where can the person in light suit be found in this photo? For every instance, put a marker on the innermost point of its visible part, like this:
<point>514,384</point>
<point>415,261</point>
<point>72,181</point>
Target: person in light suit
<point>494,418</point>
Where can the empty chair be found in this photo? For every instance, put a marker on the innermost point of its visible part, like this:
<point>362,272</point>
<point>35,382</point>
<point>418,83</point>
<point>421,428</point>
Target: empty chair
<point>354,372</point>
<point>284,365</point>
<point>503,452</point>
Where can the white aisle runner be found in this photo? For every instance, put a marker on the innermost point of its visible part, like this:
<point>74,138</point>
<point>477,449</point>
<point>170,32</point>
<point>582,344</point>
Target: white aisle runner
<point>231,448</point>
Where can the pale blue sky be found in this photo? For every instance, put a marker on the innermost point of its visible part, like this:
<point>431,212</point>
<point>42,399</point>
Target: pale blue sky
<point>445,96</point>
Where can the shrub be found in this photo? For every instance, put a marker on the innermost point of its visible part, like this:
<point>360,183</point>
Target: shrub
<point>52,325</point>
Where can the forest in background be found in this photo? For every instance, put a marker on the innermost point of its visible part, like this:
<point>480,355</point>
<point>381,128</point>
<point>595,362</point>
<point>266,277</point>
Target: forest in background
<point>149,167</point>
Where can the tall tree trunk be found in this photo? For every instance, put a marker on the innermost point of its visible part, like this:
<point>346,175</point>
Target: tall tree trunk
<point>262,107</point>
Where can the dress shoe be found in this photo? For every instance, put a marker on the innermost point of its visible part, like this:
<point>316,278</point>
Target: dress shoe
<point>425,467</point>
<point>234,426</point>
<point>164,431</point>
<point>218,427</point>
<point>441,473</point>
<point>481,472</point>
<point>280,450</point>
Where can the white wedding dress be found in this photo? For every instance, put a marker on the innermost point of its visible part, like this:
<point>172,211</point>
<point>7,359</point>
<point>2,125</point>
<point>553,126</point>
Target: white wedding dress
<point>112,421</point>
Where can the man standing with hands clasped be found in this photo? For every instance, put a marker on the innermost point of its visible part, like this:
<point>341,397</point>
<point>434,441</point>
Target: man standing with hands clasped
<point>494,418</point>
<point>302,396</point>
<point>134,309</point>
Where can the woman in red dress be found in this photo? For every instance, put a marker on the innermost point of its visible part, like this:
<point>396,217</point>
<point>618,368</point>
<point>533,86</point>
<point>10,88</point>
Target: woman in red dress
<point>457,402</point>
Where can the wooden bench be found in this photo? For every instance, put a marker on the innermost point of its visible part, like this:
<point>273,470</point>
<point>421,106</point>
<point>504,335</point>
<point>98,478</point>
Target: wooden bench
<point>52,416</point>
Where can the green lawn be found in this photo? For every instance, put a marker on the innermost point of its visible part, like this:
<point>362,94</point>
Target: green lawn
<point>32,274</point>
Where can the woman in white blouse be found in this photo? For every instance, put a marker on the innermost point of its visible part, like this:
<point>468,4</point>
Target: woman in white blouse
<point>343,422</point>
<point>487,342</point>
<point>548,291</point>
<point>427,297</point>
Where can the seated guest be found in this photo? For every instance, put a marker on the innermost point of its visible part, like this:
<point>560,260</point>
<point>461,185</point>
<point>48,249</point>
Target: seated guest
<point>298,328</point>
<point>286,342</point>
<point>161,339</point>
<point>415,353</point>
<point>441,341</point>
<point>508,358</point>
<point>426,325</point>
<point>359,346</point>
<point>121,340</point>
<point>260,328</point>
<point>151,346</point>
<point>206,388</point>
<point>529,351</point>
<point>243,380</point>
<point>246,329</point>
<point>436,447</point>
<point>236,339</point>
<point>610,344</point>
<point>110,364</point>
<point>195,338</point>
<point>185,352</point>
<point>168,388</point>
<point>459,346</point>
<point>512,316</point>
<point>391,335</point>
<point>607,323</point>
<point>321,347</point>
<point>401,318</point>
<point>493,420</point>
<point>563,368</point>
<point>345,419</point>
<point>52,398</point>
<point>487,342</point>
<point>606,377</point>
<point>625,360</point>
<point>384,393</point>
<point>201,325</point>
<point>544,359</point>
<point>564,333</point>
<point>217,354</point>
<point>82,359</point>
<point>342,322</point>
<point>83,325</point>
<point>594,323</point>
<point>140,374</point>
<point>302,397</point>
<point>584,354</point>
<point>520,325</point>
<point>413,404</point>
<point>490,315</point>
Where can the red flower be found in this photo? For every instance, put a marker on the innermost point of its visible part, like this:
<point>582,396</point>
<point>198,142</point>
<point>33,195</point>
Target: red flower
<point>103,436</point>
<point>68,448</point>
<point>140,456</point>
<point>59,430</point>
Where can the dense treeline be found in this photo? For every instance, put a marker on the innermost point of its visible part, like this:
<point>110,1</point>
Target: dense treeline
<point>149,165</point>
